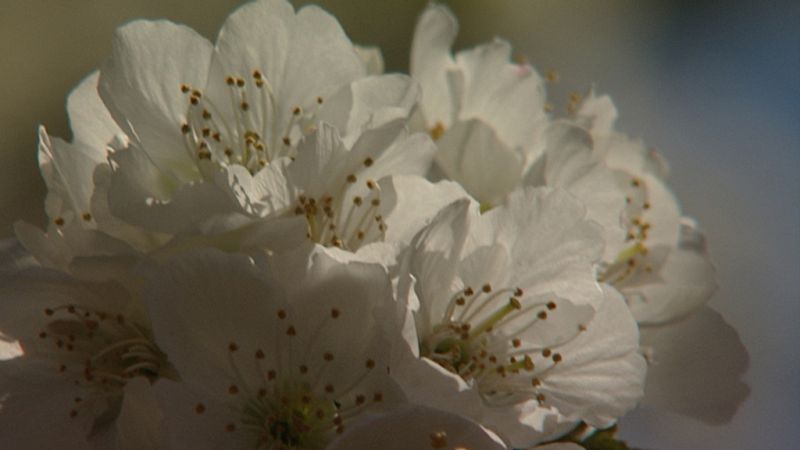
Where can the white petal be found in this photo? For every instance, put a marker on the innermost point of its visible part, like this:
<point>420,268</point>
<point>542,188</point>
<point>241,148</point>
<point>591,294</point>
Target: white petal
<point>89,119</point>
<point>184,296</point>
<point>509,97</point>
<point>598,112</point>
<point>433,259</point>
<point>553,247</point>
<point>140,422</point>
<point>601,376</point>
<point>57,247</point>
<point>141,84</point>
<point>13,256</point>
<point>67,167</point>
<point>409,202</point>
<point>263,194</point>
<point>184,426</point>
<point>473,154</point>
<point>67,170</point>
<point>570,163</point>
<point>370,102</point>
<point>417,427</point>
<point>682,284</point>
<point>696,367</point>
<point>430,58</point>
<point>140,194</point>
<point>35,405</point>
<point>372,58</point>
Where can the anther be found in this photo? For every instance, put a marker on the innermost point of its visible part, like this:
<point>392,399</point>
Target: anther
<point>439,439</point>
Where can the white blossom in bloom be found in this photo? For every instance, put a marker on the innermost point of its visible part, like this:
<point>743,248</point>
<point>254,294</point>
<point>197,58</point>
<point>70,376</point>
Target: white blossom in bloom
<point>185,137</point>
<point>83,343</point>
<point>494,136</point>
<point>475,101</point>
<point>663,268</point>
<point>80,224</point>
<point>283,354</point>
<point>419,428</point>
<point>367,193</point>
<point>655,257</point>
<point>507,325</point>
<point>208,125</point>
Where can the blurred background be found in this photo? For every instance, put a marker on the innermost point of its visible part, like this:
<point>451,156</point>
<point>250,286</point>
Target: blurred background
<point>715,86</point>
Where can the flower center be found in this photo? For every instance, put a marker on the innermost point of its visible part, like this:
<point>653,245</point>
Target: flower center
<point>254,135</point>
<point>294,403</point>
<point>633,259</point>
<point>344,221</point>
<point>291,417</point>
<point>102,351</point>
<point>479,338</point>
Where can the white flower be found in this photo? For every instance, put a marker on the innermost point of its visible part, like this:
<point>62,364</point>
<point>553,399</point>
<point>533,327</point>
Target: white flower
<point>82,343</point>
<point>493,134</point>
<point>663,267</point>
<point>418,428</point>
<point>486,113</point>
<point>508,324</point>
<point>80,223</point>
<point>350,197</point>
<point>282,355</point>
<point>205,122</point>
<point>186,139</point>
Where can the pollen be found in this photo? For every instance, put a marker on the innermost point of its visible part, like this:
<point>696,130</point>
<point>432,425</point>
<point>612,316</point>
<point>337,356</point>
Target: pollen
<point>437,131</point>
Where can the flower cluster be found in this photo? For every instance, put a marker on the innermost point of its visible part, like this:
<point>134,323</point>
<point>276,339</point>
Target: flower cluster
<point>267,242</point>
